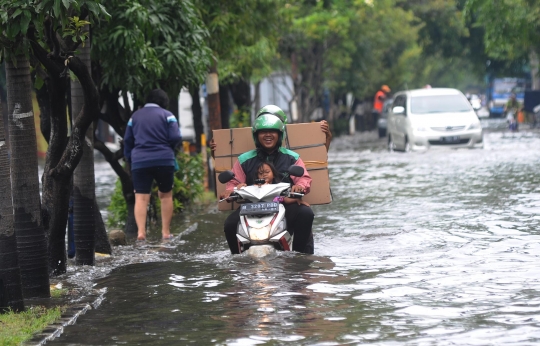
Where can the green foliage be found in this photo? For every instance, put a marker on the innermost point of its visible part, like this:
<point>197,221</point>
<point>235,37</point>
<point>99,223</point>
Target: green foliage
<point>75,29</point>
<point>117,212</point>
<point>243,35</point>
<point>16,17</point>
<point>150,44</point>
<point>19,327</point>
<point>189,179</point>
<point>188,188</point>
<point>240,118</point>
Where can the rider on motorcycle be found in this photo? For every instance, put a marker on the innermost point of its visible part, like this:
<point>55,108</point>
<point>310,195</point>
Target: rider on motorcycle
<point>268,131</point>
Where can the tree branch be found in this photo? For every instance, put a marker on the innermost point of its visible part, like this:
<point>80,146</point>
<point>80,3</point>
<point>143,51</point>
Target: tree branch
<point>86,117</point>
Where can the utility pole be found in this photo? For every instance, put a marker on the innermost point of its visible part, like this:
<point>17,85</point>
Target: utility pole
<point>212,90</point>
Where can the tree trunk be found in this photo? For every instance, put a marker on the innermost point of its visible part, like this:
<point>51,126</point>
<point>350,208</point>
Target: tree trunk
<point>173,105</point>
<point>241,94</point>
<point>31,242</point>
<point>212,90</point>
<point>11,296</point>
<point>42,96</point>
<point>3,100</point>
<point>534,63</point>
<point>84,190</point>
<point>225,105</point>
<point>55,190</point>
<point>102,240</point>
<point>196,110</point>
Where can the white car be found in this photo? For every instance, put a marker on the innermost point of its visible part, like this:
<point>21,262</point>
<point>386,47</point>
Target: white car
<point>425,118</point>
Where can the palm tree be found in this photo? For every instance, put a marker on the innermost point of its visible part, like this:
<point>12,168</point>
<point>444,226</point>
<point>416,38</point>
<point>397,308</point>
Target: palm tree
<point>10,275</point>
<point>31,242</point>
<point>83,180</point>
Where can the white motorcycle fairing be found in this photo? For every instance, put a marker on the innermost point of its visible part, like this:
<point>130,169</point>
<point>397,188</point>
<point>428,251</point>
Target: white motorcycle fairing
<point>265,228</point>
<point>262,193</point>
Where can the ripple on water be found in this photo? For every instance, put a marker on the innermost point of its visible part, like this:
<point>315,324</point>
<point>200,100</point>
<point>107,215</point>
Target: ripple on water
<point>433,248</point>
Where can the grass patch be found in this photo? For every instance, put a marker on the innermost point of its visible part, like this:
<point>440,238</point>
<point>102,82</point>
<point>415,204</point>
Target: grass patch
<point>59,292</point>
<point>16,328</point>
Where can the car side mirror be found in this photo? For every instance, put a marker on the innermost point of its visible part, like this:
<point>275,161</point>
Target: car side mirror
<point>398,110</point>
<point>296,171</point>
<point>225,177</point>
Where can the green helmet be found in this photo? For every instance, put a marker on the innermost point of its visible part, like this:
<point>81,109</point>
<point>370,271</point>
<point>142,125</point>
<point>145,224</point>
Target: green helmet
<point>274,110</point>
<point>268,122</point>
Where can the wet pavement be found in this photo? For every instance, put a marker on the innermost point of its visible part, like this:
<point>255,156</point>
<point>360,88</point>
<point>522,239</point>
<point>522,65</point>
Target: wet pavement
<point>424,248</point>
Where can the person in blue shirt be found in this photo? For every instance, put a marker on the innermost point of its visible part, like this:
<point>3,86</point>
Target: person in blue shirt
<point>151,137</point>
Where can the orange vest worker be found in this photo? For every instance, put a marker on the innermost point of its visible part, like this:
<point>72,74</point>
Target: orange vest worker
<point>380,96</point>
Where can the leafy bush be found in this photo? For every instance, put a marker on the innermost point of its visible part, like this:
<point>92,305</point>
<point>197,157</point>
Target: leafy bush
<point>188,187</point>
<point>117,210</point>
<point>240,118</point>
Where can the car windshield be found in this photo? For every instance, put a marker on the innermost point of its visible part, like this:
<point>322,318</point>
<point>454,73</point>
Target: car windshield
<point>439,104</point>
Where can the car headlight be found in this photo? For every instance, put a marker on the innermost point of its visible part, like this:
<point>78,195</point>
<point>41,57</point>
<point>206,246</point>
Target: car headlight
<point>475,125</point>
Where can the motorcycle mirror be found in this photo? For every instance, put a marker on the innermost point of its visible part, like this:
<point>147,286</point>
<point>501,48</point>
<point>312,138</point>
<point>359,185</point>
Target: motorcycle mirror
<point>296,171</point>
<point>225,177</point>
<point>259,181</point>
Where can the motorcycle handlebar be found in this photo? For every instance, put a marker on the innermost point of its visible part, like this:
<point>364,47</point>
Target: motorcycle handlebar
<point>230,198</point>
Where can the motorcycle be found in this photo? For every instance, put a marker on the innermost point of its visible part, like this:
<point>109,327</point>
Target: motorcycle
<point>262,228</point>
<point>511,120</point>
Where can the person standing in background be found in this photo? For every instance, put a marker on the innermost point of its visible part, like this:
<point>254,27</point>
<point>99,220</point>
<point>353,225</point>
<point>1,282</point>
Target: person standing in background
<point>151,138</point>
<point>378,102</point>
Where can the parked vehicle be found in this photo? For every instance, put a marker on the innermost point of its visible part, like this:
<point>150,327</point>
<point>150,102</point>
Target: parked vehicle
<point>186,116</point>
<point>383,118</point>
<point>439,117</point>
<point>262,228</point>
<point>475,101</point>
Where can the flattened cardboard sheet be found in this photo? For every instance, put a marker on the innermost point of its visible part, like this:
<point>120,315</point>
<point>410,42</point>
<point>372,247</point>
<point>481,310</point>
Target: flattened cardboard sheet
<point>305,139</point>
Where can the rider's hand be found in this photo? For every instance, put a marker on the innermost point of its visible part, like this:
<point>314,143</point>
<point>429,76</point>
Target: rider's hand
<point>297,188</point>
<point>225,194</point>
<point>213,147</point>
<point>299,201</point>
<point>325,128</point>
<point>241,185</point>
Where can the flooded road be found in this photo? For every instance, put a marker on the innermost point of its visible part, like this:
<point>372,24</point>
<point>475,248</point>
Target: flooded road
<point>426,248</point>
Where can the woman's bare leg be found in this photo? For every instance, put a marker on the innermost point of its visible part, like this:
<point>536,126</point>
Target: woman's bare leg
<point>141,207</point>
<point>166,213</point>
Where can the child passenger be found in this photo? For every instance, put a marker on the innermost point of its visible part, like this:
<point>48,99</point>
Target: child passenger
<point>268,172</point>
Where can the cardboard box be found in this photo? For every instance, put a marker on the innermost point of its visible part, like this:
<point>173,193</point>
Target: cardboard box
<point>305,139</point>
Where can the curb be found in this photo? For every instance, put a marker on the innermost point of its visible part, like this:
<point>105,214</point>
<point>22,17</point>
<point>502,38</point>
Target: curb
<point>69,317</point>
<point>92,301</point>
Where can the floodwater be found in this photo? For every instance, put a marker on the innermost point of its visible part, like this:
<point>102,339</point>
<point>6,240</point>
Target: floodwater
<point>425,248</point>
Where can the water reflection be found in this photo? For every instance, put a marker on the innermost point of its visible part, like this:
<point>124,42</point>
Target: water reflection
<point>439,247</point>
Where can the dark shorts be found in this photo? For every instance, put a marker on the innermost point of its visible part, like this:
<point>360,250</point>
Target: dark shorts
<point>143,177</point>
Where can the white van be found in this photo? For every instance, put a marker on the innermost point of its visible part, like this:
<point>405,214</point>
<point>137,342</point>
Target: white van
<point>424,118</point>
